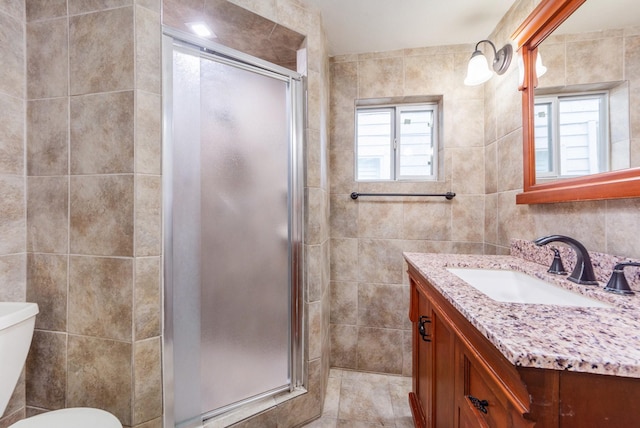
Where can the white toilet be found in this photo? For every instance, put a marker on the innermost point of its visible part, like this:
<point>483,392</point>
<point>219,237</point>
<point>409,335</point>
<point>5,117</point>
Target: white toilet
<point>17,321</point>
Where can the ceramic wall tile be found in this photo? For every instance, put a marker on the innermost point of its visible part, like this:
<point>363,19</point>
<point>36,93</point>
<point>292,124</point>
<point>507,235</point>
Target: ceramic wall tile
<point>344,340</point>
<point>147,298</point>
<point>12,77</point>
<point>316,206</point>
<point>467,218</point>
<point>101,217</point>
<point>46,370</point>
<point>491,218</point>
<point>490,166</point>
<point>99,374</point>
<point>315,275</point>
<point>471,114</point>
<point>77,7</point>
<point>148,48</point>
<point>343,220</point>
<point>379,78</point>
<point>47,214</point>
<point>621,218</point>
<point>12,215</point>
<point>47,286</point>
<point>584,220</point>
<point>315,164</point>
<point>13,278</point>
<point>15,8</point>
<point>428,75</point>
<point>266,8</point>
<point>11,135</point>
<point>467,172</point>
<point>148,133</point>
<point>45,9</point>
<point>382,305</point>
<point>147,403</point>
<point>148,213</point>
<point>379,260</point>
<point>380,220</point>
<point>344,303</point>
<point>101,51</point>
<point>510,170</point>
<point>154,5</point>
<point>379,350</point>
<point>603,56</point>
<point>314,330</point>
<point>342,177</point>
<point>12,418</point>
<point>101,297</point>
<point>48,137</point>
<point>102,133</point>
<point>47,58</point>
<point>427,220</point>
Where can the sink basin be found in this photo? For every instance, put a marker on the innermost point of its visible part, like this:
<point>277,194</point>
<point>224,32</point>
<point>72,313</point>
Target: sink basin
<point>517,287</point>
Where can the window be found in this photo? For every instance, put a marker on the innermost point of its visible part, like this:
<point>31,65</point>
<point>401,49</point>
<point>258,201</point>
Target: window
<point>397,142</point>
<point>571,135</point>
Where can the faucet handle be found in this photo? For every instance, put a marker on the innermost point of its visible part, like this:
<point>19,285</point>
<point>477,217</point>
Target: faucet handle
<point>556,265</point>
<point>618,282</point>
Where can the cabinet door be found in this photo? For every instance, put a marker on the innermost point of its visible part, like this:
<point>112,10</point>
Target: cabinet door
<point>443,372</point>
<point>422,360</point>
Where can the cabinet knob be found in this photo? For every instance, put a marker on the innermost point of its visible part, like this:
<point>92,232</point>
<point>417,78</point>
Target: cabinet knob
<point>422,329</point>
<point>479,404</point>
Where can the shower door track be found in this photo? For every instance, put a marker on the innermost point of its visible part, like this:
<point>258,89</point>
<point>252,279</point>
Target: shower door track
<point>297,82</point>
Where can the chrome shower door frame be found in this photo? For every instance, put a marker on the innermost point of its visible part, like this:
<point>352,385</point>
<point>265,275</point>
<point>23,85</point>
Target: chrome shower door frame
<point>173,39</point>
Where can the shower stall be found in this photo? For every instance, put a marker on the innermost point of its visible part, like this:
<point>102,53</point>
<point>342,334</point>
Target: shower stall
<point>232,189</point>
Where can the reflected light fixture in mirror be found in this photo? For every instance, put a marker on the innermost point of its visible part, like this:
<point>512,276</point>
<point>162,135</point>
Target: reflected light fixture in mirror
<point>478,69</point>
<point>540,68</point>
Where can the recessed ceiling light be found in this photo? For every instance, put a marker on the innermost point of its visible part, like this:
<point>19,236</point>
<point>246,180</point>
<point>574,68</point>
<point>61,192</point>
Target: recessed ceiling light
<point>201,29</point>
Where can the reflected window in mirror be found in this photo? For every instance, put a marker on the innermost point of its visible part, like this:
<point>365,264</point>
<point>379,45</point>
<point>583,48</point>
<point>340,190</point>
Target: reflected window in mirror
<point>571,135</point>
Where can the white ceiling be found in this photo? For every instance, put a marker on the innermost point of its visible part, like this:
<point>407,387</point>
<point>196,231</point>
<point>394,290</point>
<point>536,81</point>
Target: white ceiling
<point>358,26</point>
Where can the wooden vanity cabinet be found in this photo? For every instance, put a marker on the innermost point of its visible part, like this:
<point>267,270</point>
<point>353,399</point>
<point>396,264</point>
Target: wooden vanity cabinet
<point>461,380</point>
<point>434,350</point>
<point>450,373</point>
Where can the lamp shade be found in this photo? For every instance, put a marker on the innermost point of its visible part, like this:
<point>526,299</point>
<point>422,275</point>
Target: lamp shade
<point>540,69</point>
<point>478,70</point>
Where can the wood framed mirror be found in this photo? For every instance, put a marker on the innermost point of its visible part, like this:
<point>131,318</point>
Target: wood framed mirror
<point>622,183</point>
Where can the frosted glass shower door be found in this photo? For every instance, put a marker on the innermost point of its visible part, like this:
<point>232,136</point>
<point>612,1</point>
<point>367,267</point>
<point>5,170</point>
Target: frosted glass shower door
<point>231,224</point>
<point>244,180</point>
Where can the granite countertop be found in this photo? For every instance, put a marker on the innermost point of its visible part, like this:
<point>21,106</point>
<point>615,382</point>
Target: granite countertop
<point>594,340</point>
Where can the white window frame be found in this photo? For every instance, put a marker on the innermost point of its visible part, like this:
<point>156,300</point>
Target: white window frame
<point>604,148</point>
<point>395,143</point>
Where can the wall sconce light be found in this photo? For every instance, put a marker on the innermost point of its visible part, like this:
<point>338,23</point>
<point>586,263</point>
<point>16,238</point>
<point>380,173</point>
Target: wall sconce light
<point>478,69</point>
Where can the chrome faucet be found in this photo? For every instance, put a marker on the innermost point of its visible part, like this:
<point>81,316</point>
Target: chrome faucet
<point>583,272</point>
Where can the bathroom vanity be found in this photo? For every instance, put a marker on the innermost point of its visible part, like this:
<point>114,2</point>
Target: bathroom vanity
<point>478,362</point>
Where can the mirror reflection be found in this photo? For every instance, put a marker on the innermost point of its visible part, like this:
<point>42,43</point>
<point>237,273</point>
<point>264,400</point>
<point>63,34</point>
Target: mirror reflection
<point>586,102</point>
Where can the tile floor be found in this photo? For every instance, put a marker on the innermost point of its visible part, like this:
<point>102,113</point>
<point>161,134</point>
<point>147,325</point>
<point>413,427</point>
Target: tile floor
<point>365,400</point>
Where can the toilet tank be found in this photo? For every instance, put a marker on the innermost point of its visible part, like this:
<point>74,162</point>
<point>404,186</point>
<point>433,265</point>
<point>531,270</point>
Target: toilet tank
<point>17,320</point>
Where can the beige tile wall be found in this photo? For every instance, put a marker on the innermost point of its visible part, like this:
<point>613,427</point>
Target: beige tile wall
<point>93,207</point>
<point>13,279</point>
<point>370,329</point>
